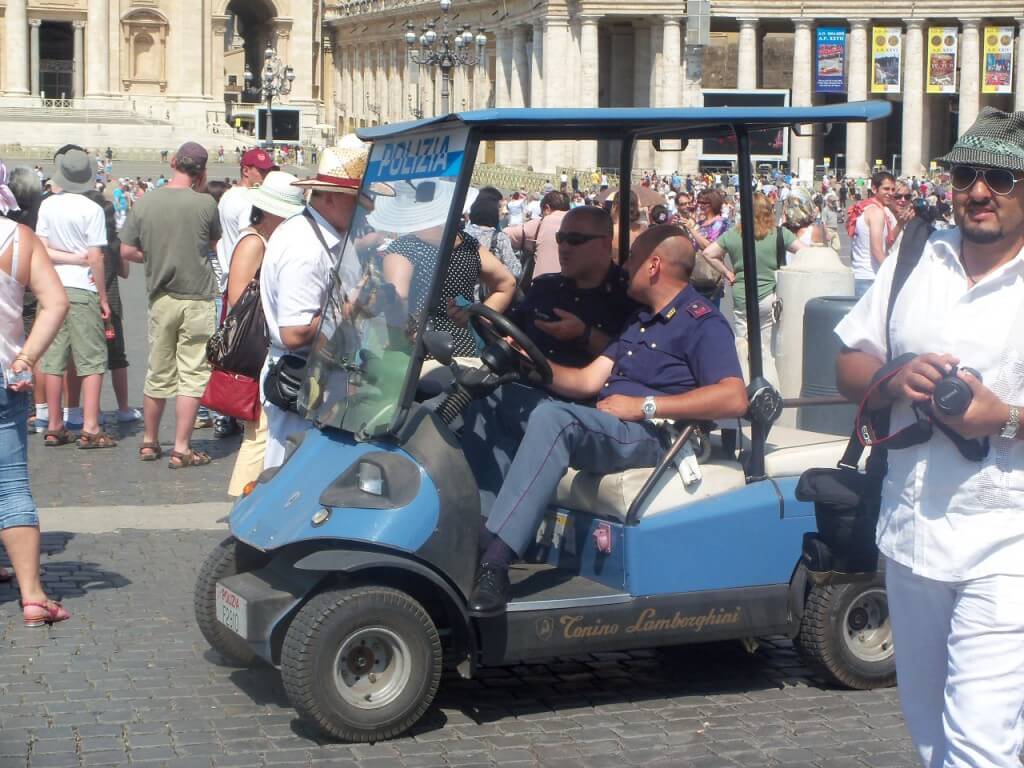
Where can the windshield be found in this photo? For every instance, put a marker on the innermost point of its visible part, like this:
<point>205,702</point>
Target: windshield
<point>382,283</point>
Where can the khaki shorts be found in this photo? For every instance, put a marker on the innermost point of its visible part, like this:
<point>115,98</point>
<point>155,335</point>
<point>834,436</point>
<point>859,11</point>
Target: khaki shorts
<point>81,334</point>
<point>178,332</point>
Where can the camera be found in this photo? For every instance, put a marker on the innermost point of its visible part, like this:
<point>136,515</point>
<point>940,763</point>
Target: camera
<point>952,396</point>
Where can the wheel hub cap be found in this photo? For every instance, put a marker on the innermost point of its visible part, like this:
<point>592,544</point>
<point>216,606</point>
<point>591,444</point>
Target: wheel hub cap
<point>372,667</point>
<point>866,627</point>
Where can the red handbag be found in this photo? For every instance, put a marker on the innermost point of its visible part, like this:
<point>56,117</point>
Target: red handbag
<point>233,394</point>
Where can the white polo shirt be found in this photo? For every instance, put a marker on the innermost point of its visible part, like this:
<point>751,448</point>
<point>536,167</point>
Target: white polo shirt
<point>295,275</point>
<point>943,516</point>
<point>234,210</point>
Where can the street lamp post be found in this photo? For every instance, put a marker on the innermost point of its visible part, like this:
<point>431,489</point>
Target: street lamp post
<point>372,107</point>
<point>414,108</point>
<point>276,80</point>
<point>446,50</point>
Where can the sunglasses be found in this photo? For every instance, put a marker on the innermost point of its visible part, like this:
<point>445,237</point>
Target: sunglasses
<point>999,180</point>
<point>575,238</point>
<point>903,197</point>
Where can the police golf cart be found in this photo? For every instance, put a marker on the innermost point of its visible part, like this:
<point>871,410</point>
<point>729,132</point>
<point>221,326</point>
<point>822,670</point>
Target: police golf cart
<point>349,567</point>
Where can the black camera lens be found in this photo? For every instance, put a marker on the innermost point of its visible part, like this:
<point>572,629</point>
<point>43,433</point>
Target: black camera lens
<point>952,396</point>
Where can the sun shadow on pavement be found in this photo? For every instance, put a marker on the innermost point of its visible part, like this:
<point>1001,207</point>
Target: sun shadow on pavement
<point>63,579</point>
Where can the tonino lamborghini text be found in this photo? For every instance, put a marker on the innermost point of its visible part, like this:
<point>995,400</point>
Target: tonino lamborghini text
<point>573,627</point>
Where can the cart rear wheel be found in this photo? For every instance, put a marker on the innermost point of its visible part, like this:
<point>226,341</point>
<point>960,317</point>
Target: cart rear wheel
<point>362,664</point>
<point>846,634</point>
<point>229,558</point>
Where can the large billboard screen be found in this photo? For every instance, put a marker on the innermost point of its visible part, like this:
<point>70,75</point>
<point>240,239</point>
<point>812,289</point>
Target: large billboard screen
<point>286,124</point>
<point>764,145</point>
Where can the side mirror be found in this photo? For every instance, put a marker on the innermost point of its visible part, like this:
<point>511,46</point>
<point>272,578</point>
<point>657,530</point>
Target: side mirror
<point>440,345</point>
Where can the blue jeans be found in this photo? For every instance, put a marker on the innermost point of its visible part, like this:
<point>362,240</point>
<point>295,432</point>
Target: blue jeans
<point>16,504</point>
<point>860,287</point>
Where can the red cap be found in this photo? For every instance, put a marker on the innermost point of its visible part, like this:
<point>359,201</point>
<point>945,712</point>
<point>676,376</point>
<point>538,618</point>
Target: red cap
<point>260,159</point>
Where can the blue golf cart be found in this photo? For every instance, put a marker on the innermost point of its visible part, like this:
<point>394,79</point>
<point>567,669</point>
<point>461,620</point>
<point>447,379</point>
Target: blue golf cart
<point>349,567</point>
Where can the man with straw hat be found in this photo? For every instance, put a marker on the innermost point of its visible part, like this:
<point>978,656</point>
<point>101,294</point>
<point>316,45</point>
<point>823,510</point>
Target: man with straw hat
<point>951,527</point>
<point>297,272</point>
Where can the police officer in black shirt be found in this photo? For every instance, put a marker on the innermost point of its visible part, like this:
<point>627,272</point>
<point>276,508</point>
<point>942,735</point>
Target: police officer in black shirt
<point>573,315</point>
<point>675,360</point>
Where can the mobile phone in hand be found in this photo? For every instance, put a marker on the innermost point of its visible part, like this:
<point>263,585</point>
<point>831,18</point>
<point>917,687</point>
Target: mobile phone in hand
<point>547,317</point>
<point>12,378</point>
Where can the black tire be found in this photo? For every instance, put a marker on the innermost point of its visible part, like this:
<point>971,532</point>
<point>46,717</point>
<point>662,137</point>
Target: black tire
<point>229,558</point>
<point>846,635</point>
<point>391,650</point>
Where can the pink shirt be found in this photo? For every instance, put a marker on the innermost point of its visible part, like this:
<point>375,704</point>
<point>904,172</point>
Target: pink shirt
<point>538,237</point>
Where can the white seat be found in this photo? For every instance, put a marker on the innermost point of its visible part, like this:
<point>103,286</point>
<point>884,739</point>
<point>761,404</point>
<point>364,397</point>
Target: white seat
<point>787,454</point>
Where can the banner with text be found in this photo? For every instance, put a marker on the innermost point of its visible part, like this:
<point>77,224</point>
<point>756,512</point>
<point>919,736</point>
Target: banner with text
<point>997,68</point>
<point>886,59</point>
<point>942,50</point>
<point>830,56</point>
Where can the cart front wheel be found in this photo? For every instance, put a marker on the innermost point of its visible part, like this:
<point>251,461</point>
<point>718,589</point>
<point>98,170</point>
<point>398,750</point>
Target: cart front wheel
<point>846,634</point>
<point>362,664</point>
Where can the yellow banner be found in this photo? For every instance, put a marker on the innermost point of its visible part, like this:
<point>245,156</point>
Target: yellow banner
<point>942,50</point>
<point>997,66</point>
<point>886,59</point>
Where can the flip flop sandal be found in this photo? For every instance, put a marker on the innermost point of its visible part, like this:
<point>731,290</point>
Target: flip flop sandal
<point>37,614</point>
<point>191,458</point>
<point>155,452</point>
<point>53,438</point>
<point>87,441</point>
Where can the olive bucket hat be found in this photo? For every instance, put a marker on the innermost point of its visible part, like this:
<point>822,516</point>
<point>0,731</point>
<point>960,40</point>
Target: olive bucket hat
<point>996,140</point>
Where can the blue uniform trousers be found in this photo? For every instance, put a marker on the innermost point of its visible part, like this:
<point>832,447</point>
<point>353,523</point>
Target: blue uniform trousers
<point>546,437</point>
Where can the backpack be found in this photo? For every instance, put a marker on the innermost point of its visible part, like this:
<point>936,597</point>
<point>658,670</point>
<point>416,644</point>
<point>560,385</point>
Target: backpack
<point>854,211</point>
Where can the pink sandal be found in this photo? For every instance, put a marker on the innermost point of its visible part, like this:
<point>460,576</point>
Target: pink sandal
<point>49,612</point>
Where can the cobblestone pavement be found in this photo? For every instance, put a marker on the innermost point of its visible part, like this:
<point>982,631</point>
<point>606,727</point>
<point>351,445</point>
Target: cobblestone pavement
<point>129,680</point>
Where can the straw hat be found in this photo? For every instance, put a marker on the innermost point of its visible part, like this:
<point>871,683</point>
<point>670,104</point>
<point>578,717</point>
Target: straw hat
<point>341,168</point>
<point>278,195</point>
<point>417,205</point>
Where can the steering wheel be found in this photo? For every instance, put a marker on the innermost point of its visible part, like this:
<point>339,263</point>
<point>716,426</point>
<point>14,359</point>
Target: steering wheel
<point>493,327</point>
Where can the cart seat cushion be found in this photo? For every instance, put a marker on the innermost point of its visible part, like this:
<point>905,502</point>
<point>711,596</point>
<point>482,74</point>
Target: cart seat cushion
<point>610,495</point>
<point>788,453</point>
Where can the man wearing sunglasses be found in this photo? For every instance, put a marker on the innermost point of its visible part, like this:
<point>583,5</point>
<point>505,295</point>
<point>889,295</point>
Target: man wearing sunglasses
<point>951,526</point>
<point>573,314</point>
<point>675,360</point>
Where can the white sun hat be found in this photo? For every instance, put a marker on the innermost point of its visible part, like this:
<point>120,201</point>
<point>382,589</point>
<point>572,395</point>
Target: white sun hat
<point>278,195</point>
<point>417,204</point>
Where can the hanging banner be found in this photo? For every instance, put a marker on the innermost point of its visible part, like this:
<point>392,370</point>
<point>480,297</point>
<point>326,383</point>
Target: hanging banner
<point>997,69</point>
<point>942,49</point>
<point>886,53</point>
<point>830,55</point>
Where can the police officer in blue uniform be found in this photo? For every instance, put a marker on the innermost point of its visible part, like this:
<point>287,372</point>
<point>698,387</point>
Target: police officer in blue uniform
<point>675,360</point>
<point>572,315</point>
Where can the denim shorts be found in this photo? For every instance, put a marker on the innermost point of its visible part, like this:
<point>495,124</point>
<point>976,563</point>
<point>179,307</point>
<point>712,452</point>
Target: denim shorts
<point>16,504</point>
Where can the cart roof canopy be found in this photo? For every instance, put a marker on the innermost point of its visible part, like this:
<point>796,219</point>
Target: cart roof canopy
<point>616,123</point>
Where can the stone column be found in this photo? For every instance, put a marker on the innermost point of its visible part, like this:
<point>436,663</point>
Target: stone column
<point>355,107</point>
<point>218,30</point>
<point>622,68</point>
<point>801,146</point>
<point>16,45</point>
<point>693,80</point>
<point>746,69</point>
<point>590,65</point>
<point>78,63</point>
<point>671,81</point>
<point>97,48</point>
<point>395,80</point>
<point>913,98</point>
<point>536,157</point>
<point>502,67</point>
<point>970,74</point>
<point>1018,83</point>
<point>519,81</point>
<point>556,42</point>
<point>857,90</point>
<point>33,55</point>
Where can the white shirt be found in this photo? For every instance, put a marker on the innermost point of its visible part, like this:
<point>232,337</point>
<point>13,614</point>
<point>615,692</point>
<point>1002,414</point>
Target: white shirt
<point>295,275</point>
<point>515,212</point>
<point>943,516</point>
<point>864,267</point>
<point>533,209</point>
<point>72,223</point>
<point>234,209</point>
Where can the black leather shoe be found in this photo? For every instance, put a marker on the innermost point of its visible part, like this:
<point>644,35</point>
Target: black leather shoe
<point>490,590</point>
<point>226,426</point>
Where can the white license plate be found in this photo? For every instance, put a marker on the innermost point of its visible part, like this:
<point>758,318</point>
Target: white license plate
<point>231,610</point>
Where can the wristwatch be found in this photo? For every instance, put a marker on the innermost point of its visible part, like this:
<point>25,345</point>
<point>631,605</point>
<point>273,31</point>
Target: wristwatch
<point>1011,426</point>
<point>651,408</point>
